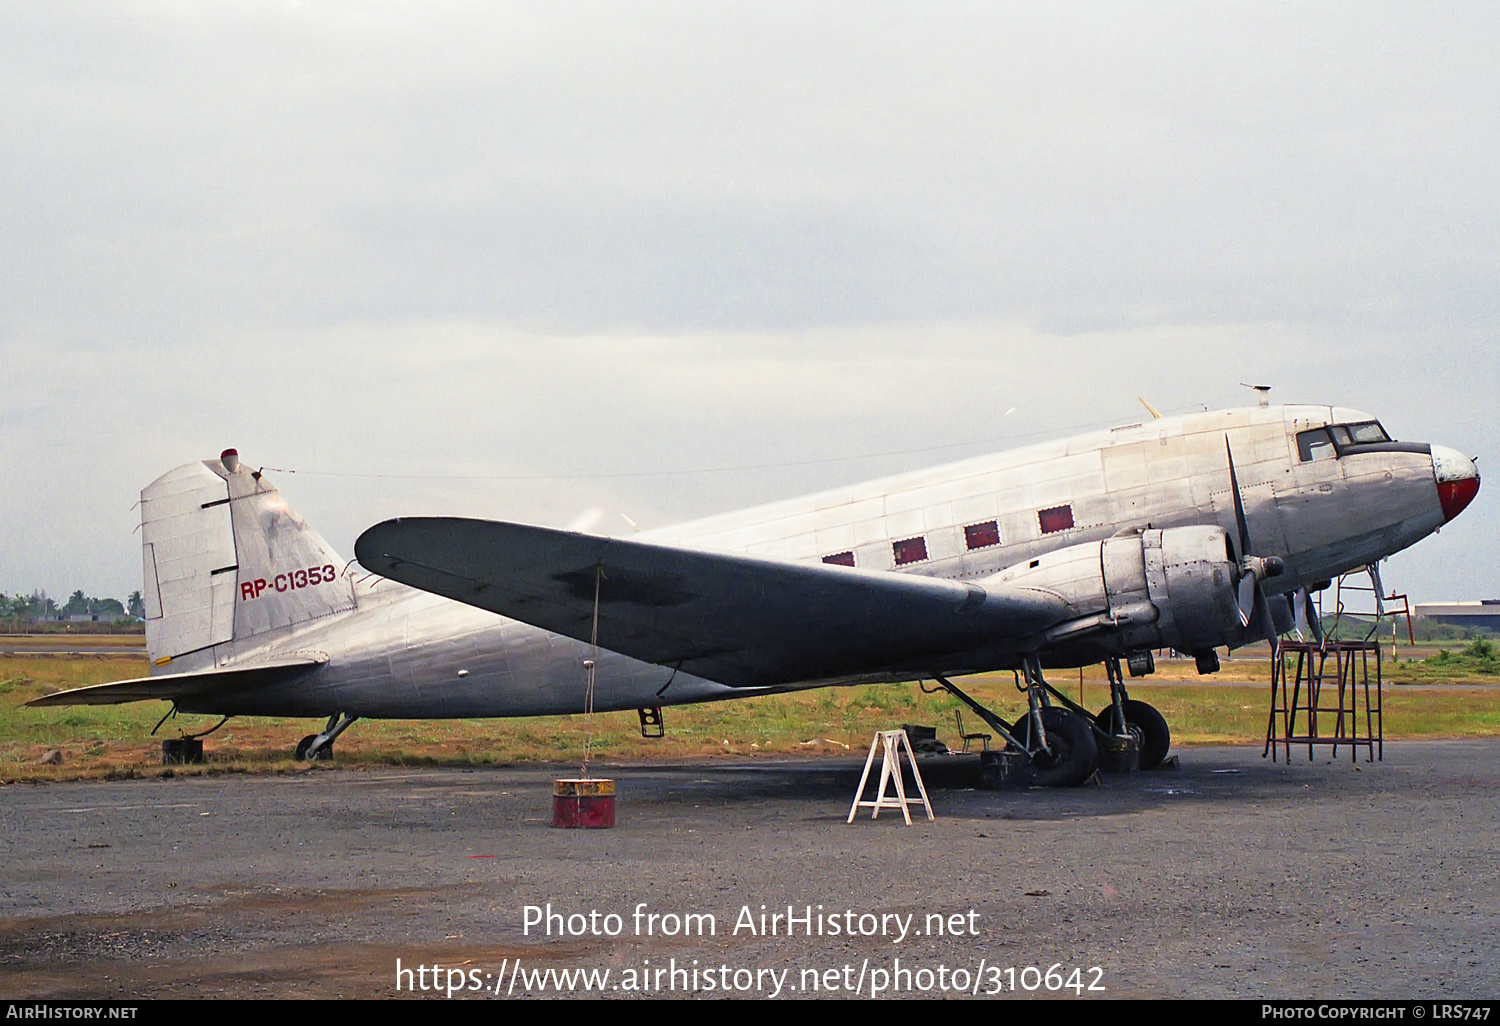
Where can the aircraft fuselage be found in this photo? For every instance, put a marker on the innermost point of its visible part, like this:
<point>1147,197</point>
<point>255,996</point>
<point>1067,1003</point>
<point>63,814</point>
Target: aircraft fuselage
<point>1323,509</point>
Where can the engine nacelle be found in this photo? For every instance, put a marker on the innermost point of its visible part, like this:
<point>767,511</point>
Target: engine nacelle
<point>1172,588</point>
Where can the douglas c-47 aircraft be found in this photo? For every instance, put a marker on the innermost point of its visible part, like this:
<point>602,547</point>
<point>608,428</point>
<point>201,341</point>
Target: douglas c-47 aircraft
<point>1193,533</point>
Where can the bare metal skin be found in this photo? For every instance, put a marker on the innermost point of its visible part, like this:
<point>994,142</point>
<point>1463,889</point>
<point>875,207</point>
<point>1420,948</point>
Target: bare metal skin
<point>1066,552</point>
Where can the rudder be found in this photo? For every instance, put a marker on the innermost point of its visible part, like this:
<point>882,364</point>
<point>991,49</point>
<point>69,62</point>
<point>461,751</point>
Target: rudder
<point>225,559</point>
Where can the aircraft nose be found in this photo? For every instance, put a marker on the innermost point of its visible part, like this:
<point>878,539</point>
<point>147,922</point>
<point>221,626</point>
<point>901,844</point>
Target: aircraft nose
<point>1457,480</point>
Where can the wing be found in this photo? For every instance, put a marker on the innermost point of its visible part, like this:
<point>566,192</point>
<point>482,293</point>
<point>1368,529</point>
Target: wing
<point>742,621</point>
<point>176,686</point>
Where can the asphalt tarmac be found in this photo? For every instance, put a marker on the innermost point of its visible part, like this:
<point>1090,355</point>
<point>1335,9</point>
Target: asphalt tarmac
<point>1230,876</point>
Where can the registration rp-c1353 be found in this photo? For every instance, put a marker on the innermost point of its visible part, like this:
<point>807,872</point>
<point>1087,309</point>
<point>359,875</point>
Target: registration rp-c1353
<point>1191,532</point>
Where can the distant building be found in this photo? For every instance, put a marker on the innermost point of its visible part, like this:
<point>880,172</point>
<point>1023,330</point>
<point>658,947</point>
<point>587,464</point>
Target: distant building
<point>1484,613</point>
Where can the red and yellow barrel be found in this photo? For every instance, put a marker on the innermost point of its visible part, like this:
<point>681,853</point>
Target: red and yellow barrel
<point>586,804</point>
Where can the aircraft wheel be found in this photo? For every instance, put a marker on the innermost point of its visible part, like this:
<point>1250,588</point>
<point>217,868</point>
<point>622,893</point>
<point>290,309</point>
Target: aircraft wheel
<point>324,753</point>
<point>1147,726</point>
<point>1073,752</point>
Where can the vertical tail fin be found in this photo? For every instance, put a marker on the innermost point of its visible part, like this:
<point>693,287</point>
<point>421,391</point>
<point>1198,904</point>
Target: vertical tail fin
<point>225,558</point>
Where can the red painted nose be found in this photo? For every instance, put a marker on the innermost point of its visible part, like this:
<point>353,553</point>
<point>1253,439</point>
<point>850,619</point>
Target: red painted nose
<point>1457,480</point>
<point>1455,495</point>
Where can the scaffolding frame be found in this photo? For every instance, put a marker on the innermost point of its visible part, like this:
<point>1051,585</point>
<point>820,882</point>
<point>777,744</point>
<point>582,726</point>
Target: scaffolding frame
<point>1307,690</point>
<point>1395,605</point>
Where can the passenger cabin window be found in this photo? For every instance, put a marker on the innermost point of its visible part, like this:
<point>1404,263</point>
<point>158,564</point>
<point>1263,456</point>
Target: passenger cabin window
<point>910,550</point>
<point>1058,518</point>
<point>840,559</point>
<point>980,536</point>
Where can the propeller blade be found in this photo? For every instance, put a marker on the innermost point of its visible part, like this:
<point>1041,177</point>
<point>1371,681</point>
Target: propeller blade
<point>1253,569</point>
<point>1374,571</point>
<point>1265,623</point>
<point>1314,620</point>
<point>1299,614</point>
<point>1239,504</point>
<point>1248,598</point>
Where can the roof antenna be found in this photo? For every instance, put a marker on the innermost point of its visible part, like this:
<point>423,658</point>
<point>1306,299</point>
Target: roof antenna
<point>1155,414</point>
<point>1263,391</point>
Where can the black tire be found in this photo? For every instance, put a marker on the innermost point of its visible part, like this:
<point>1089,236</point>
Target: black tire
<point>323,754</point>
<point>1072,755</point>
<point>1147,726</point>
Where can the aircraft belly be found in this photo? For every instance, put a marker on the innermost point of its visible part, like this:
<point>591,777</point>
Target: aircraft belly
<point>509,669</point>
<point>1351,552</point>
<point>528,672</point>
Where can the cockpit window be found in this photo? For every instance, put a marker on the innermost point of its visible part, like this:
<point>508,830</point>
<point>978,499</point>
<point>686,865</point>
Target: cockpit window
<point>1315,445</point>
<point>1362,434</point>
<point>1331,442</point>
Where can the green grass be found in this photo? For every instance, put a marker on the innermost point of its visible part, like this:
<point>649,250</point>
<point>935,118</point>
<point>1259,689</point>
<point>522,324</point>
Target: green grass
<point>1478,660</point>
<point>100,741</point>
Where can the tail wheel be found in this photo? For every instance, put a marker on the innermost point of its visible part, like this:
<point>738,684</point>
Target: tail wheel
<point>1146,725</point>
<point>1071,753</point>
<point>326,752</point>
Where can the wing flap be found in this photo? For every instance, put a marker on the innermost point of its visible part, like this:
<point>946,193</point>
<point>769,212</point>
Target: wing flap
<point>177,686</point>
<point>739,620</point>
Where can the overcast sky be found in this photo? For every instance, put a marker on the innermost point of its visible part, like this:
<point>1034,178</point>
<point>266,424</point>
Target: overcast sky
<point>673,259</point>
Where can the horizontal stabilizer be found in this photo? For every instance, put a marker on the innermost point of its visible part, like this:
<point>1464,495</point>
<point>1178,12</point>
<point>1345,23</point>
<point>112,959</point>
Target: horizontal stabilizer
<point>739,620</point>
<point>177,686</point>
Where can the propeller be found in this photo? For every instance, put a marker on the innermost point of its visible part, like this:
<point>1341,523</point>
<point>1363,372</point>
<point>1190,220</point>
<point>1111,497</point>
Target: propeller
<point>1374,571</point>
<point>1253,569</point>
<point>1305,616</point>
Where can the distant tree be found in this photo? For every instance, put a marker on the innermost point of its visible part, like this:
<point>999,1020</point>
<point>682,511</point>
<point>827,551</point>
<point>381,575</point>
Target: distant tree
<point>77,604</point>
<point>107,607</point>
<point>136,605</point>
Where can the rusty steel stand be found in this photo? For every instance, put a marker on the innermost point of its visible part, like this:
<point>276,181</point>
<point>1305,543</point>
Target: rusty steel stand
<point>1305,690</point>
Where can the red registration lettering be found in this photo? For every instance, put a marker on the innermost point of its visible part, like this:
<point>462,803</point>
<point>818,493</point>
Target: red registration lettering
<point>325,574</point>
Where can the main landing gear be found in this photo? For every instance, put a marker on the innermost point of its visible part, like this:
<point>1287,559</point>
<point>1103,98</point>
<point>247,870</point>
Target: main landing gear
<point>1124,716</point>
<point>1057,745</point>
<point>319,747</point>
<point>1060,743</point>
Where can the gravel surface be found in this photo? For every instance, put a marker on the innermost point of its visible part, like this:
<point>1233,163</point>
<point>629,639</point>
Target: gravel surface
<point>1231,876</point>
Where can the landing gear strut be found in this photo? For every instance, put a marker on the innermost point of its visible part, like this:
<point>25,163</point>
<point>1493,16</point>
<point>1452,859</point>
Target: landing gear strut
<point>319,747</point>
<point>1124,715</point>
<point>1058,743</point>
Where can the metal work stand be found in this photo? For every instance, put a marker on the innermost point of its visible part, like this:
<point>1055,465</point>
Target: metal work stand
<point>1305,691</point>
